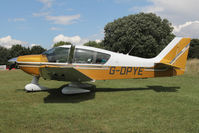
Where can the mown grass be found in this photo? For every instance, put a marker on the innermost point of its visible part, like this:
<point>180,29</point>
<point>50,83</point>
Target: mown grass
<point>192,66</point>
<point>158,105</point>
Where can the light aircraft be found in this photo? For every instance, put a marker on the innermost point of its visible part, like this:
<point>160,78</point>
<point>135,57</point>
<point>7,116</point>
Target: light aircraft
<point>79,64</point>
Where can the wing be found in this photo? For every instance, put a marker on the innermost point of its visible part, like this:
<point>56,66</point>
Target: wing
<point>63,74</point>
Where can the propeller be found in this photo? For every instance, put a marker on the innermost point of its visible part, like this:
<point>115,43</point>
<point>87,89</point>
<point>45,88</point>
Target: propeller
<point>12,63</point>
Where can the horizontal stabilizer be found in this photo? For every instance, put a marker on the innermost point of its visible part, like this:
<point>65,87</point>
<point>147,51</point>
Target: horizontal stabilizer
<point>165,65</point>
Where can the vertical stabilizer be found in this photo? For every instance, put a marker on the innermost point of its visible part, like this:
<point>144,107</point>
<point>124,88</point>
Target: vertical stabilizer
<point>175,54</point>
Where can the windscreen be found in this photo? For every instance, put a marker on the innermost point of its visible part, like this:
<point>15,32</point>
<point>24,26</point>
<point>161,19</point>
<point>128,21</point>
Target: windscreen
<point>57,54</point>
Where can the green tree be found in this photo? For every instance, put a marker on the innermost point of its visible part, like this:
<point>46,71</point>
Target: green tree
<point>61,43</point>
<point>146,32</point>
<point>4,55</point>
<point>94,44</point>
<point>18,50</point>
<point>37,50</point>
<point>194,49</point>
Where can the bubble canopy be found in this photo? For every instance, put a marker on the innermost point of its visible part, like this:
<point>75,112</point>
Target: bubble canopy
<point>78,55</point>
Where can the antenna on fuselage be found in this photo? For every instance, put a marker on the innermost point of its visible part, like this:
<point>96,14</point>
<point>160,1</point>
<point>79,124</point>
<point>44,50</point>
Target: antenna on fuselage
<point>131,49</point>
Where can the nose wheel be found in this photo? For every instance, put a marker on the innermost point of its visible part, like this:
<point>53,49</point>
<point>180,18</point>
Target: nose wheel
<point>34,85</point>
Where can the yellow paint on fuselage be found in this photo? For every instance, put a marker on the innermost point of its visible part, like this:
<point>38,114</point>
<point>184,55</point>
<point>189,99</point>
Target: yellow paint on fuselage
<point>31,58</point>
<point>31,70</point>
<point>129,73</point>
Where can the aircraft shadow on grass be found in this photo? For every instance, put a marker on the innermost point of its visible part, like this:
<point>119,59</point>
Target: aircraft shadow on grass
<point>55,95</point>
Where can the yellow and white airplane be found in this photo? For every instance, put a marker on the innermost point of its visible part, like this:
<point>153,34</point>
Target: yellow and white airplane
<point>78,64</point>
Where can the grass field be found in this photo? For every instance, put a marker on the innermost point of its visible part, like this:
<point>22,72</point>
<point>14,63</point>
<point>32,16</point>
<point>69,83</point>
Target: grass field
<point>159,105</point>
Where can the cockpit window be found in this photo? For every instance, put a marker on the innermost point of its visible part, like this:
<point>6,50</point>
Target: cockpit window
<point>102,58</point>
<point>90,57</point>
<point>57,54</point>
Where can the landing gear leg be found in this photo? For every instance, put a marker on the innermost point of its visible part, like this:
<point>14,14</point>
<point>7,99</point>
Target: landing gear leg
<point>34,85</point>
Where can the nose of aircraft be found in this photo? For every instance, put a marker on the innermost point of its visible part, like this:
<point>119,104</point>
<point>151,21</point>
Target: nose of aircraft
<point>28,58</point>
<point>22,61</point>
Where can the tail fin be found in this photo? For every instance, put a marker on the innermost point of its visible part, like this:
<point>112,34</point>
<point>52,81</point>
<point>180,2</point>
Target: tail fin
<point>175,53</point>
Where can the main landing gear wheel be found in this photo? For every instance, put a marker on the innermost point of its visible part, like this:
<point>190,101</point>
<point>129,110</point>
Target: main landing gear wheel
<point>76,88</point>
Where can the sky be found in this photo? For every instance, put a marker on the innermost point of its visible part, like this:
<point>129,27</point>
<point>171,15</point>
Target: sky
<point>45,22</point>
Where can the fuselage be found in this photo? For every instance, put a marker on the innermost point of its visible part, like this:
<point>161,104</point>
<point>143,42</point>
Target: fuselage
<point>82,63</point>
